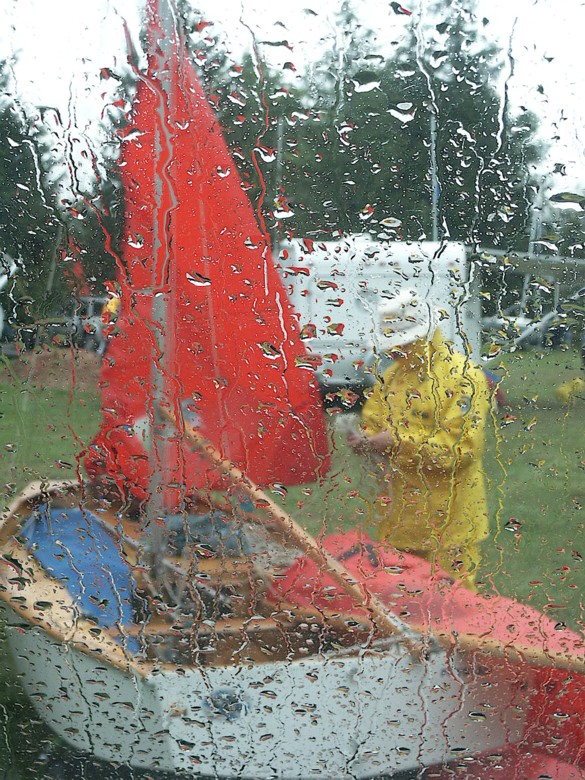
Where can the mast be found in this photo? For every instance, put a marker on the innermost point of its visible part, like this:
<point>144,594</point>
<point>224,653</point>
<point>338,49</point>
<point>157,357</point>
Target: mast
<point>163,279</point>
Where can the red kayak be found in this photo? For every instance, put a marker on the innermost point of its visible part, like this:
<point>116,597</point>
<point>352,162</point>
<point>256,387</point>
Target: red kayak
<point>547,657</point>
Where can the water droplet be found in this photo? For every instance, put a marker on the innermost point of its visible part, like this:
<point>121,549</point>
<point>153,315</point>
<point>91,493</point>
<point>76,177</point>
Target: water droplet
<point>267,155</point>
<point>269,350</point>
<point>198,280</point>
<point>308,361</point>
<point>279,489</point>
<point>223,172</point>
<point>367,86</point>
<point>284,213</point>
<point>296,270</point>
<point>403,116</point>
<point>336,328</point>
<point>477,715</point>
<point>391,222</point>
<point>238,100</point>
<point>136,242</point>
<point>437,58</point>
<point>366,213</point>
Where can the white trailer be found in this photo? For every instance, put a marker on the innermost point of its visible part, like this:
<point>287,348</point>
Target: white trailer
<point>337,287</point>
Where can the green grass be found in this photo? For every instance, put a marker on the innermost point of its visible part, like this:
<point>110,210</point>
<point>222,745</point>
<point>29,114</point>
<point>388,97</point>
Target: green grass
<point>43,433</point>
<point>535,467</point>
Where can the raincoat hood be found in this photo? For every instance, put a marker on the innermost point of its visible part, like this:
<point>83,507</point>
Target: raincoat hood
<point>405,319</point>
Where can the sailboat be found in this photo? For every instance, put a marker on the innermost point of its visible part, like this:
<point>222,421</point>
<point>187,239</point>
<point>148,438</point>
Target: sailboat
<point>167,614</point>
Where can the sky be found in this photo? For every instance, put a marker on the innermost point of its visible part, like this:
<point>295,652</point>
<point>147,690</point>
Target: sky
<point>60,46</point>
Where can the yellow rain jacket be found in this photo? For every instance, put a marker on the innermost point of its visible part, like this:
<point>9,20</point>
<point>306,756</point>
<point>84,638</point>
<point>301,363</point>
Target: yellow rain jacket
<point>111,309</point>
<point>435,403</point>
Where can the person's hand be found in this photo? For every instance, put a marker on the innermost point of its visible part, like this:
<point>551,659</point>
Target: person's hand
<point>380,443</point>
<point>357,440</point>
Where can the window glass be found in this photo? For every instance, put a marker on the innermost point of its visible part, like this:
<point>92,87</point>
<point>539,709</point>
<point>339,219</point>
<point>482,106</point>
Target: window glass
<point>292,382</point>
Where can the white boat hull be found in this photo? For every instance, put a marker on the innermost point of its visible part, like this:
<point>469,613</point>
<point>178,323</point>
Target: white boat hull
<point>354,716</point>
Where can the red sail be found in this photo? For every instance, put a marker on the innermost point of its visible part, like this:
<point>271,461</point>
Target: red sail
<point>231,354</point>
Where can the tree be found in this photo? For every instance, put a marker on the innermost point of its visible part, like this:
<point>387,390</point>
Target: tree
<point>60,198</point>
<point>29,227</point>
<point>364,159</point>
<point>348,147</point>
<point>80,176</point>
<point>485,154</point>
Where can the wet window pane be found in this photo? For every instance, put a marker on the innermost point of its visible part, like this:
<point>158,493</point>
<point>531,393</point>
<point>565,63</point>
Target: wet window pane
<point>291,390</point>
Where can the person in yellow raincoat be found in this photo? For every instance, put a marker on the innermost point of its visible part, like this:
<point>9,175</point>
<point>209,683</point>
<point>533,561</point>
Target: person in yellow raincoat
<point>426,417</point>
<point>110,314</point>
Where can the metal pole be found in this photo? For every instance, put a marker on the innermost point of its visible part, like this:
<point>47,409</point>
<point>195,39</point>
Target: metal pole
<point>278,178</point>
<point>53,267</point>
<point>434,179</point>
<point>536,218</point>
<point>162,282</point>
